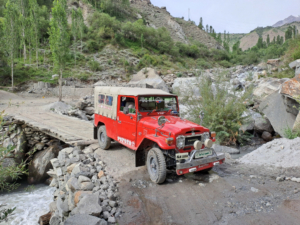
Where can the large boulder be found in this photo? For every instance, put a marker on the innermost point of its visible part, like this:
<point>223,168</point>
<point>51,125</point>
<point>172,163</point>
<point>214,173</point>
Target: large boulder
<point>89,204</point>
<point>186,86</point>
<point>295,65</point>
<point>38,168</point>
<point>150,77</point>
<point>267,87</point>
<point>248,125</point>
<point>291,87</point>
<point>81,219</point>
<point>275,110</point>
<point>263,124</point>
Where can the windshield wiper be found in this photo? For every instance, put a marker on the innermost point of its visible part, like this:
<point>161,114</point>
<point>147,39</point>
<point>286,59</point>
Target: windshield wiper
<point>154,110</point>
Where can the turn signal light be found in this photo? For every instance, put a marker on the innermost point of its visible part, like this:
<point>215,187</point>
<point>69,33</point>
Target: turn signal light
<point>169,141</point>
<point>213,134</point>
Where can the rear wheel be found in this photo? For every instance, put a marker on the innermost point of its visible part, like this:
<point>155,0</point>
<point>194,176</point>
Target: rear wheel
<point>103,139</point>
<point>156,165</point>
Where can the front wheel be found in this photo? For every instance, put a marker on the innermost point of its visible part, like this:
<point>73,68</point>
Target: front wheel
<point>103,139</point>
<point>156,165</point>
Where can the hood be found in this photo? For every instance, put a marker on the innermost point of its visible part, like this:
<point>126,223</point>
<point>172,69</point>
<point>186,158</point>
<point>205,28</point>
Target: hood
<point>175,125</point>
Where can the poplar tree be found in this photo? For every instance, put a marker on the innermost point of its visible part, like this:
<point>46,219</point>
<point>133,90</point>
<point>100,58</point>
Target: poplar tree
<point>11,34</point>
<point>35,31</point>
<point>200,23</point>
<point>268,39</point>
<point>75,30</point>
<point>59,38</point>
<point>23,23</point>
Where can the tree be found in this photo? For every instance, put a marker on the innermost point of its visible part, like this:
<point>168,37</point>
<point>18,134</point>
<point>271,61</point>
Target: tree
<point>268,39</point>
<point>207,28</point>
<point>59,38</point>
<point>35,27</point>
<point>23,23</point>
<point>11,34</point>
<point>201,24</point>
<point>75,28</point>
<point>289,33</point>
<point>210,29</point>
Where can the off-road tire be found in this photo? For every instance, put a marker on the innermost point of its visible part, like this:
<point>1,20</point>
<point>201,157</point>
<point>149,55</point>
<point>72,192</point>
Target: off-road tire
<point>155,158</point>
<point>103,140</point>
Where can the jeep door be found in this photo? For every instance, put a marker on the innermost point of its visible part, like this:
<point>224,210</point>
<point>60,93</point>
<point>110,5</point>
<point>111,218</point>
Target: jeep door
<point>126,121</point>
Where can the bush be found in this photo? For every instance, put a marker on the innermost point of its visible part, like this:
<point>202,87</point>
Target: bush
<point>92,45</point>
<point>290,134</point>
<point>222,110</point>
<point>94,65</point>
<point>225,64</point>
<point>203,64</point>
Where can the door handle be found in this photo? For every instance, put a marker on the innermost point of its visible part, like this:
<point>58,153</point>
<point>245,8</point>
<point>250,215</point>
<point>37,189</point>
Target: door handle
<point>119,121</point>
<point>131,117</point>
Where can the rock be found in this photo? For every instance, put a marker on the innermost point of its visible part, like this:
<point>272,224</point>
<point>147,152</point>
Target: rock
<point>62,207</point>
<point>55,220</point>
<point>267,86</point>
<point>39,146</point>
<point>38,168</point>
<point>89,205</point>
<point>149,76</point>
<point>87,186</point>
<point>71,167</point>
<point>72,184</point>
<point>186,86</point>
<point>291,87</point>
<point>263,124</point>
<point>81,219</point>
<point>100,174</point>
<point>81,115</point>
<point>79,194</point>
<point>112,203</point>
<point>267,136</point>
<point>111,219</point>
<point>8,162</point>
<point>295,179</point>
<point>89,110</point>
<point>81,104</point>
<point>225,149</point>
<point>294,64</point>
<point>55,76</point>
<point>83,179</point>
<point>55,162</point>
<point>275,110</point>
<point>279,179</point>
<point>254,189</point>
<point>76,169</point>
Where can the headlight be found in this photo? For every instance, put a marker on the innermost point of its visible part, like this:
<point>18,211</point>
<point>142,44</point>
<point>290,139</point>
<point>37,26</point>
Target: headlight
<point>205,136</point>
<point>180,142</point>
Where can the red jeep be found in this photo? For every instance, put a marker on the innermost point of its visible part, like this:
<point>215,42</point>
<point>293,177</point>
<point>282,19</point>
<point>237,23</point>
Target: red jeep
<point>147,121</point>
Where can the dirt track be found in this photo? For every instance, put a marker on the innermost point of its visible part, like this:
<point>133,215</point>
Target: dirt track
<point>231,194</point>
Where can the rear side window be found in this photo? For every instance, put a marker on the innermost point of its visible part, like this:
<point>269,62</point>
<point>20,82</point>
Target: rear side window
<point>109,100</point>
<point>101,99</point>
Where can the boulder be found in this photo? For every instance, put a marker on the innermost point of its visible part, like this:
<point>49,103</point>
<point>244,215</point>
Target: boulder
<point>275,110</point>
<point>186,86</point>
<point>273,62</point>
<point>81,104</point>
<point>263,124</point>
<point>37,170</point>
<point>89,110</point>
<point>267,136</point>
<point>79,194</point>
<point>89,204</point>
<point>291,87</point>
<point>150,77</point>
<point>249,123</point>
<point>267,87</point>
<point>294,64</point>
<point>81,219</point>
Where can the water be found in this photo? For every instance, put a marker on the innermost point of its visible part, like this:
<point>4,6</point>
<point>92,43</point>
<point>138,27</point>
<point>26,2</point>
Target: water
<point>29,205</point>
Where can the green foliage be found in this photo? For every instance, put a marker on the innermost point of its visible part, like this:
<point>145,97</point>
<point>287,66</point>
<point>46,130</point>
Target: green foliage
<point>179,74</point>
<point>4,213</point>
<point>290,134</point>
<point>94,65</point>
<point>222,110</point>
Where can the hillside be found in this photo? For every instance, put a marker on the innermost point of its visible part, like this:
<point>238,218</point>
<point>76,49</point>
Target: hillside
<point>180,30</point>
<point>250,40</point>
<point>288,20</point>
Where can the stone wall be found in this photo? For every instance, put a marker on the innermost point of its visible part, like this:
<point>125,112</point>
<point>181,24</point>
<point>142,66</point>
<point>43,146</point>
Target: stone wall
<point>84,191</point>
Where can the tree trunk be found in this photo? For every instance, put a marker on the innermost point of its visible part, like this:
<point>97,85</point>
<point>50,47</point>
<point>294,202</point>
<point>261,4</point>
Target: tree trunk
<point>12,75</point>
<point>60,87</point>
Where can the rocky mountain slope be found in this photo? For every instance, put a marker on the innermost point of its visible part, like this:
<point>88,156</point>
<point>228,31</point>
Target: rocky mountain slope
<point>250,40</point>
<point>288,20</point>
<point>179,29</point>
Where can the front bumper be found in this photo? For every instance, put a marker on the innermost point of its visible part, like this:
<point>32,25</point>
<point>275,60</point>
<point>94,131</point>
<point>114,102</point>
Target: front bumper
<point>194,165</point>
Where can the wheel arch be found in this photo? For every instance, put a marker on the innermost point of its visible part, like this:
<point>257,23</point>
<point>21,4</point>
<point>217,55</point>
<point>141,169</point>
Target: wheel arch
<point>96,129</point>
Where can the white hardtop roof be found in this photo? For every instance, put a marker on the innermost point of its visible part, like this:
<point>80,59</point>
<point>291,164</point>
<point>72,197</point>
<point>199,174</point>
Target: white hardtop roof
<point>130,91</point>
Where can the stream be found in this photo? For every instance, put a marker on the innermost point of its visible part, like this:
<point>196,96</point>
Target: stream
<point>30,204</point>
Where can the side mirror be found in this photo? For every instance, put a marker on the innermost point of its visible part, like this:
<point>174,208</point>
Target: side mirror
<point>125,110</point>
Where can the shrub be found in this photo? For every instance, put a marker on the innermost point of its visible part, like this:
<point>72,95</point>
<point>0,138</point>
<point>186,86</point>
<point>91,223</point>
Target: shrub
<point>222,110</point>
<point>225,64</point>
<point>290,134</point>
<point>203,64</point>
<point>92,45</point>
<point>94,65</point>
<point>179,74</point>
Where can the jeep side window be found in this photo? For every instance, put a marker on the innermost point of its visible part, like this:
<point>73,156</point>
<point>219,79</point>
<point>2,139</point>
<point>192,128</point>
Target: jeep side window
<point>109,100</point>
<point>129,103</point>
<point>101,99</point>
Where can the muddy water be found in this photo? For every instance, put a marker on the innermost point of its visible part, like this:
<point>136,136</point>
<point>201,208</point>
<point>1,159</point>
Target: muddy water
<point>30,205</point>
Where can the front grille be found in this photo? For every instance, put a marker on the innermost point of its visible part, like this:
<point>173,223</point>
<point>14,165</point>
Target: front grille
<point>189,141</point>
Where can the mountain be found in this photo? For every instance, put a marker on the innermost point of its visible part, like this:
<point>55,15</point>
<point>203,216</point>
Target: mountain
<point>180,29</point>
<point>288,20</point>
<point>250,40</point>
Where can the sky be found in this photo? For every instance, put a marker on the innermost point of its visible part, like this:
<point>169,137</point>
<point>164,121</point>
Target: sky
<point>235,16</point>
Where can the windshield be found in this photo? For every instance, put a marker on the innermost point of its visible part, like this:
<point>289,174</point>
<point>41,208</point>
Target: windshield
<point>158,103</point>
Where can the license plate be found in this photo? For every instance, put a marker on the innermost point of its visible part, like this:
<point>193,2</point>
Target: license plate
<point>192,170</point>
<point>180,156</point>
<point>204,153</point>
